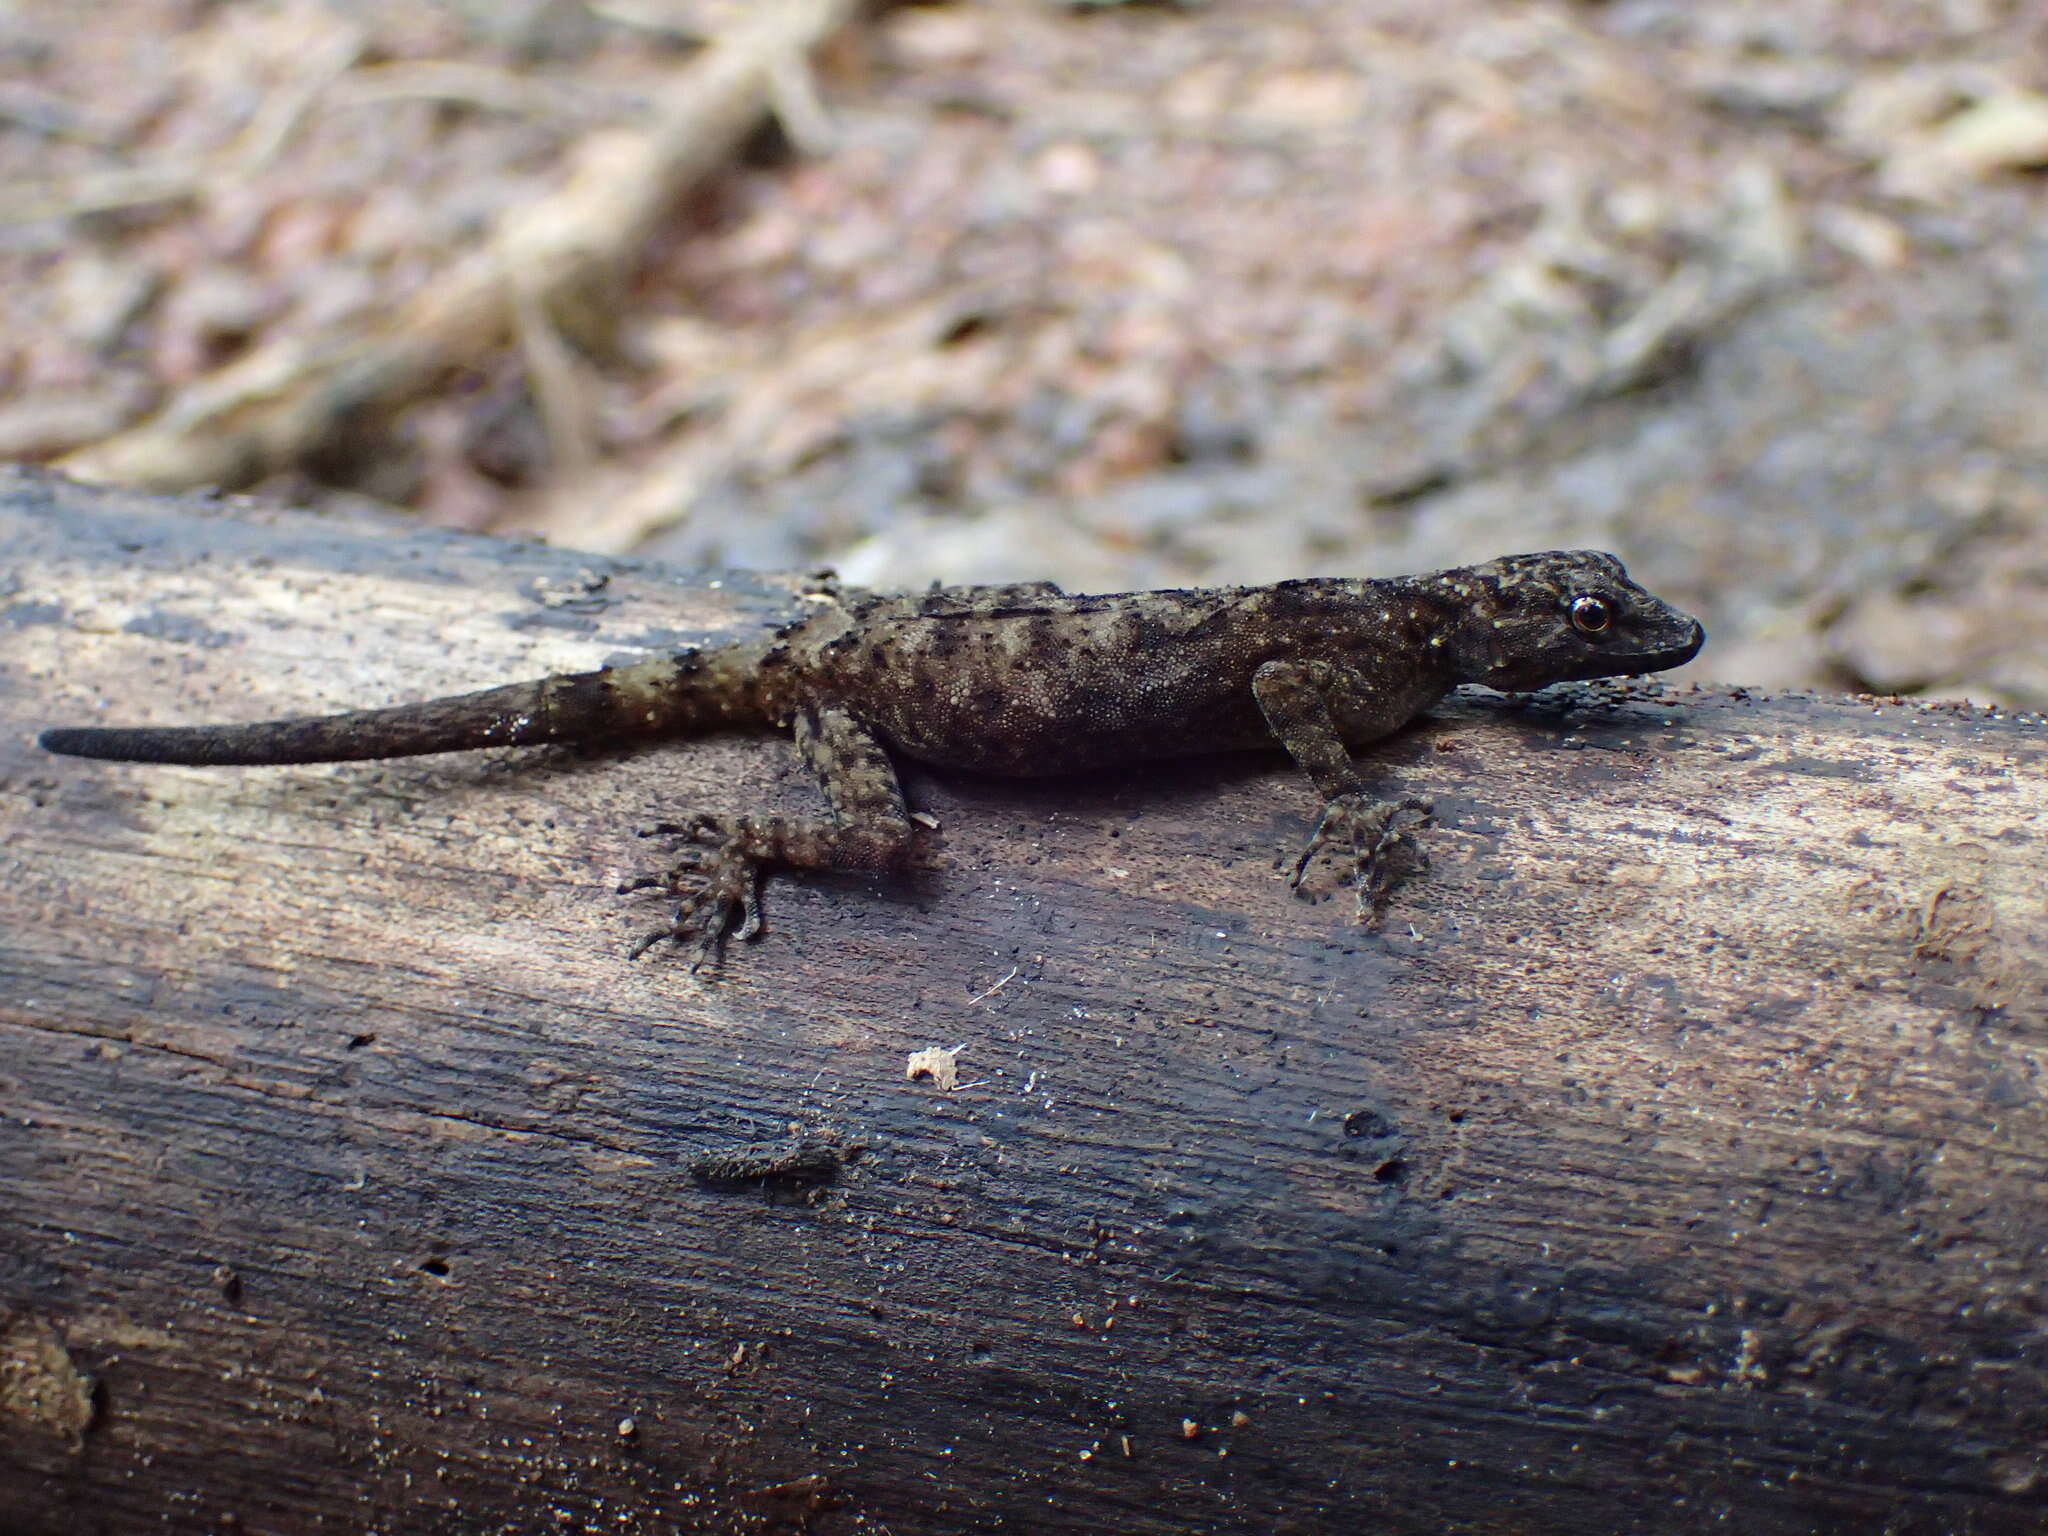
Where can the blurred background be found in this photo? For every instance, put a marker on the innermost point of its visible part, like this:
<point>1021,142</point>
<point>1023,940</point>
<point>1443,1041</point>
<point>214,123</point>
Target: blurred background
<point>1754,294</point>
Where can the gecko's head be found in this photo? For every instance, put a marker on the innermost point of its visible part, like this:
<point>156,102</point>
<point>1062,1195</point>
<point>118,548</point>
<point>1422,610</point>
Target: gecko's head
<point>1564,616</point>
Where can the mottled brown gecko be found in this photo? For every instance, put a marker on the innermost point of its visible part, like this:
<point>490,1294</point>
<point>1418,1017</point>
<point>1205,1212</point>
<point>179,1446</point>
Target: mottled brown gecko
<point>1024,681</point>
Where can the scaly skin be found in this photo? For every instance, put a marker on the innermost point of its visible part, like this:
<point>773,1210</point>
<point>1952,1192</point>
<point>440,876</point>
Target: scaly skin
<point>1026,681</point>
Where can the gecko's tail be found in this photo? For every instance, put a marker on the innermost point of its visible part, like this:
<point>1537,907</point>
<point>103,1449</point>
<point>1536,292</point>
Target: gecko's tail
<point>652,697</point>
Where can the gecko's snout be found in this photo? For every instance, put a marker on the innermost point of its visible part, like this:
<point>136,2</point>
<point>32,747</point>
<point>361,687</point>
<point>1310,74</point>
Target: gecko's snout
<point>1679,654</point>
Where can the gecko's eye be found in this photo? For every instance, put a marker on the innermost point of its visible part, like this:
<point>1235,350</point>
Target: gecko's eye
<point>1591,615</point>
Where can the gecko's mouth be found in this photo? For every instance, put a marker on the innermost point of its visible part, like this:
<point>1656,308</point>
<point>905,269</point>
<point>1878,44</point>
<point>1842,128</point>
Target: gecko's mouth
<point>1677,655</point>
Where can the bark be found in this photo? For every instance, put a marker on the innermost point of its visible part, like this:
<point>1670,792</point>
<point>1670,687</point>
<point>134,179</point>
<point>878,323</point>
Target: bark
<point>1672,1159</point>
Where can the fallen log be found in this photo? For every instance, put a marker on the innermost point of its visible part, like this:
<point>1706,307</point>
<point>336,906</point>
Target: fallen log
<point>1672,1157</point>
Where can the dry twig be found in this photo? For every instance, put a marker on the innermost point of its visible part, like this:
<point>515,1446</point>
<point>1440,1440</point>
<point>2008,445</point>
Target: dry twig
<point>254,150</point>
<point>264,410</point>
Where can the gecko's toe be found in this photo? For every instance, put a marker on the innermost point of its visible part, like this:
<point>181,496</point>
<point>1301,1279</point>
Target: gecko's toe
<point>720,896</point>
<point>1378,843</point>
<point>1393,857</point>
<point>750,910</point>
<point>688,866</point>
<point>698,827</point>
<point>705,951</point>
<point>691,927</point>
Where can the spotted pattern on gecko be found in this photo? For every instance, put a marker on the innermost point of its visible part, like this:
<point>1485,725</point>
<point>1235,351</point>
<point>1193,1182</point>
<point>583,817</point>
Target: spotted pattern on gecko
<point>1024,681</point>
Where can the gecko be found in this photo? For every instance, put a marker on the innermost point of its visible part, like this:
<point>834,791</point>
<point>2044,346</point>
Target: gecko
<point>1022,680</point>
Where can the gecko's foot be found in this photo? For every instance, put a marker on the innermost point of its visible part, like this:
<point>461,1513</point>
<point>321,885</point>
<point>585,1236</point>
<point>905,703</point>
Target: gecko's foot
<point>716,882</point>
<point>1378,840</point>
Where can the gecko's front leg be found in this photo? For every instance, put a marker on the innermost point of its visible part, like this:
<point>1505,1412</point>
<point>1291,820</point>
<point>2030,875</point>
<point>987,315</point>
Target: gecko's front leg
<point>716,876</point>
<point>1296,699</point>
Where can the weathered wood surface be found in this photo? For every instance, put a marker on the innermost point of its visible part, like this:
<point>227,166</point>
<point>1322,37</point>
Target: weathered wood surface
<point>1676,1159</point>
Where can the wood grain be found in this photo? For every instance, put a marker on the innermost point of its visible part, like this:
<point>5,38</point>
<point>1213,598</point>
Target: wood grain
<point>1672,1160</point>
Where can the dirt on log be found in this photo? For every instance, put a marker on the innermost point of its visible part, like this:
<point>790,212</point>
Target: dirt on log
<point>1674,1158</point>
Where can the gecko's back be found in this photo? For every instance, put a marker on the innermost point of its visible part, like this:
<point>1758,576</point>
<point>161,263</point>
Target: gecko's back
<point>1028,682</point>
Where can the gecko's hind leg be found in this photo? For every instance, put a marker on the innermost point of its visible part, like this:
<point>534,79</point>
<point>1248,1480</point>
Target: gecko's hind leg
<point>716,871</point>
<point>1380,849</point>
